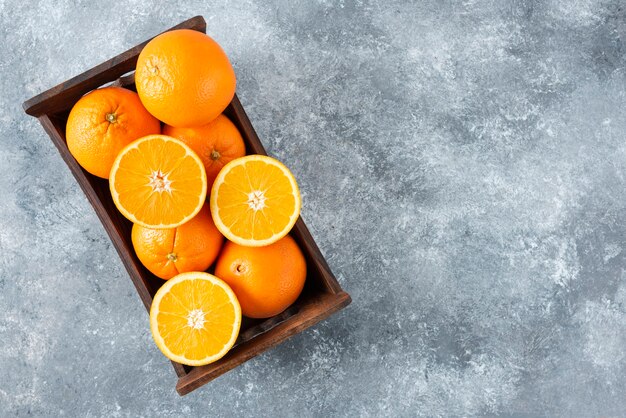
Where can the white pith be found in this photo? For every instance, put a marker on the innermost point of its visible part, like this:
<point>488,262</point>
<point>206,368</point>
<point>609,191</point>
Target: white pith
<point>160,182</point>
<point>195,319</point>
<point>256,200</point>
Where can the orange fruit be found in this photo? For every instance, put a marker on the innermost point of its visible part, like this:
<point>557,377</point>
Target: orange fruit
<point>158,182</point>
<point>255,200</point>
<point>216,143</point>
<point>193,246</point>
<point>267,279</point>
<point>195,318</point>
<point>184,78</point>
<point>103,122</point>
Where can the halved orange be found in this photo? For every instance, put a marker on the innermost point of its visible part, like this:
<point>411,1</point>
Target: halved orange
<point>255,201</point>
<point>195,318</point>
<point>158,182</point>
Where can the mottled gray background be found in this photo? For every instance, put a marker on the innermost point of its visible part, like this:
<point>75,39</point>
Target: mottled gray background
<point>463,168</point>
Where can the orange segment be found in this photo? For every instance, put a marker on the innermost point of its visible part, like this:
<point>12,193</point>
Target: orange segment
<point>255,201</point>
<point>158,182</point>
<point>195,318</point>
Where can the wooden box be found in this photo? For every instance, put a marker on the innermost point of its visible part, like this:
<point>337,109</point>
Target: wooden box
<point>322,295</point>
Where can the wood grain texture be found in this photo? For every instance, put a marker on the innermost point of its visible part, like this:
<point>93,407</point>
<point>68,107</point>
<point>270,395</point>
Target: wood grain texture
<point>322,294</point>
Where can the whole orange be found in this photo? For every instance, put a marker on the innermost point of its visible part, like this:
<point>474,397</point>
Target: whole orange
<point>192,246</point>
<point>184,78</point>
<point>103,122</point>
<point>267,279</point>
<point>216,143</point>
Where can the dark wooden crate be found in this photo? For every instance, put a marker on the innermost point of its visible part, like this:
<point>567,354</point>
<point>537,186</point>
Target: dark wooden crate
<point>322,296</point>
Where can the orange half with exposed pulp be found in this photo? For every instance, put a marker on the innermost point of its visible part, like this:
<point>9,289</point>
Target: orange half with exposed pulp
<point>255,201</point>
<point>158,182</point>
<point>195,318</point>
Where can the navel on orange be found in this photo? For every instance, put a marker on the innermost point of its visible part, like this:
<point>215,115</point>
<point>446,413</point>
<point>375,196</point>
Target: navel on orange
<point>193,246</point>
<point>103,122</point>
<point>195,318</point>
<point>158,182</point>
<point>216,143</point>
<point>255,200</point>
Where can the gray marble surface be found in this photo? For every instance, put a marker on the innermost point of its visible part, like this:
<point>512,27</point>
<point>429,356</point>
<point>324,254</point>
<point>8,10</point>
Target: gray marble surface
<point>463,169</point>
